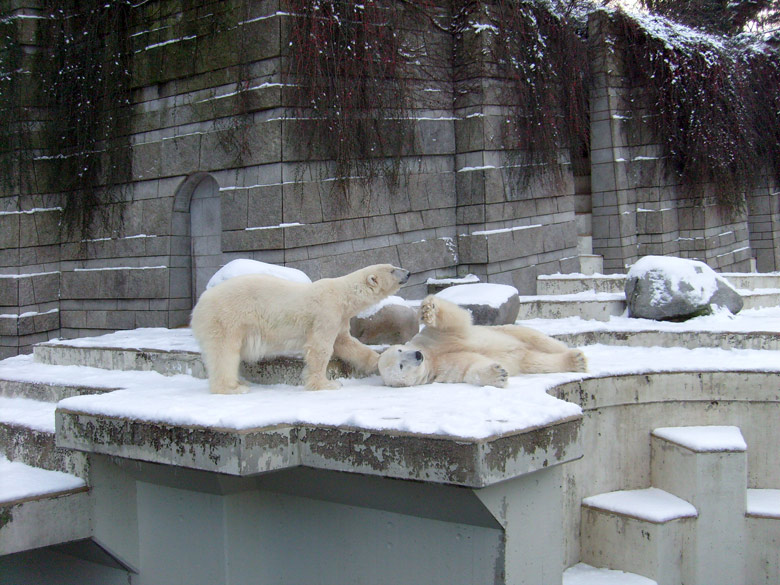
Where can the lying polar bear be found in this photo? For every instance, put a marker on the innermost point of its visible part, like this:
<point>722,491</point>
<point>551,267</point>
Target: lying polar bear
<point>451,349</point>
<point>255,315</point>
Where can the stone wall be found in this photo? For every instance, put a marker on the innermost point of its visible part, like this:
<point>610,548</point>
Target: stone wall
<point>218,172</point>
<point>641,208</point>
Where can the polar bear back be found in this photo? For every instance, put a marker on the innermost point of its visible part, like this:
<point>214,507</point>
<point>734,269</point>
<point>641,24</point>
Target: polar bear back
<point>269,314</point>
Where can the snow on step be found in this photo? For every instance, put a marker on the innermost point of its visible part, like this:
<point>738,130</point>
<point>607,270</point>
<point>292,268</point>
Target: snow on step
<point>40,508</point>
<point>704,439</point>
<point>25,412</point>
<point>21,482</point>
<point>584,574</point>
<point>763,503</point>
<point>651,504</point>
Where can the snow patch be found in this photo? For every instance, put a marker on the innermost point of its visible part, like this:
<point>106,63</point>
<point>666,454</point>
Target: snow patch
<point>704,438</point>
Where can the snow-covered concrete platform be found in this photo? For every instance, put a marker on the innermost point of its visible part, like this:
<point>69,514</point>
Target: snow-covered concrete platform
<point>464,475</point>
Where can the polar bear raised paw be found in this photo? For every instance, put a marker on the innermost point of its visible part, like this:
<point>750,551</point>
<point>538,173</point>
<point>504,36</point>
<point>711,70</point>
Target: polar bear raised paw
<point>429,311</point>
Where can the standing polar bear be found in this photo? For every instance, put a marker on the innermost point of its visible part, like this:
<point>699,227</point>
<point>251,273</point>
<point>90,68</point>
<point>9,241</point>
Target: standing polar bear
<point>451,349</point>
<point>255,315</point>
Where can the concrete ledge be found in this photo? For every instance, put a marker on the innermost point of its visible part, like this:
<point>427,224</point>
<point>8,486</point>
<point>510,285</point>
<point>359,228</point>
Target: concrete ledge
<point>767,340</point>
<point>279,370</point>
<point>436,459</point>
<point>45,521</point>
<point>535,307</point>
<point>37,448</point>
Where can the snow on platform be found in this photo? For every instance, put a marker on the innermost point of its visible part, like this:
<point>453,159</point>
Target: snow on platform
<point>764,503</point>
<point>583,574</point>
<point>704,439</point>
<point>20,482</point>
<point>28,413</point>
<point>650,504</point>
<point>458,410</point>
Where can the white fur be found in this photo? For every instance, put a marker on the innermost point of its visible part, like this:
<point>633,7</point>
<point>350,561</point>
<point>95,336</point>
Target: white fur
<point>255,315</point>
<point>451,349</point>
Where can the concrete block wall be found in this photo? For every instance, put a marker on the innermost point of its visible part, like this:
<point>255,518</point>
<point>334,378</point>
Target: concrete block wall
<point>510,229</point>
<point>639,207</point>
<point>764,224</point>
<point>218,172</point>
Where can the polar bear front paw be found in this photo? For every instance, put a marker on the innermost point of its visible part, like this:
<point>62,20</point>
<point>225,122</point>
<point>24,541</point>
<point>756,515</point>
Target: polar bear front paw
<point>323,385</point>
<point>495,375</point>
<point>429,311</point>
<point>229,389</point>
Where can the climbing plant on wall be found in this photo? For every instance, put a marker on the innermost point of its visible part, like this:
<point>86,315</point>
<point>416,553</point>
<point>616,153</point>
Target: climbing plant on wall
<point>712,102</point>
<point>542,52</point>
<point>86,80</point>
<point>347,63</point>
<point>11,103</point>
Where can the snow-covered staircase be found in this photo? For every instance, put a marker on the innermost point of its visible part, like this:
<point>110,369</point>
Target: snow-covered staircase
<point>697,524</point>
<point>600,296</point>
<point>44,498</point>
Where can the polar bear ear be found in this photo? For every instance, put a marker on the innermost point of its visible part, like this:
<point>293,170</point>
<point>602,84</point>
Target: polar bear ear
<point>372,280</point>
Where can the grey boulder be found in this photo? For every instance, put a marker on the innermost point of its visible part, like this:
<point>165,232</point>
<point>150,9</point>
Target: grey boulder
<point>676,289</point>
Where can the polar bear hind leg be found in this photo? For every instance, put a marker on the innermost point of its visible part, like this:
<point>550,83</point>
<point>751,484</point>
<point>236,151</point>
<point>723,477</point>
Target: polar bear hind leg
<point>222,360</point>
<point>534,339</point>
<point>536,362</point>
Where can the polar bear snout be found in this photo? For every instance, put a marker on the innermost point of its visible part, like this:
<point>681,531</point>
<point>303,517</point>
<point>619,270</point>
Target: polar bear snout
<point>402,275</point>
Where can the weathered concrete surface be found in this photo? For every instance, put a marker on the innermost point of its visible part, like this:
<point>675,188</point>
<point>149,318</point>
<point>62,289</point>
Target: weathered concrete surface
<point>44,521</point>
<point>714,479</point>
<point>37,448</point>
<point>768,340</point>
<point>629,407</point>
<point>437,459</point>
<point>539,307</point>
<point>278,370</point>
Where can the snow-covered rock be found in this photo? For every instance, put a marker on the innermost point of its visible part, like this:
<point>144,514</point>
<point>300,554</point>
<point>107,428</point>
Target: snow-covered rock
<point>390,321</point>
<point>664,287</point>
<point>490,304</point>
<point>246,266</point>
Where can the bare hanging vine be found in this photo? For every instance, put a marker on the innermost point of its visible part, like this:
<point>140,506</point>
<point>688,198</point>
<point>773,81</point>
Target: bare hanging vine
<point>713,103</point>
<point>543,54</point>
<point>348,67</point>
<point>86,81</point>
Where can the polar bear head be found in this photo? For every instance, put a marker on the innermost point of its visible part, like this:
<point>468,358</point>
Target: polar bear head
<point>372,284</point>
<point>403,365</point>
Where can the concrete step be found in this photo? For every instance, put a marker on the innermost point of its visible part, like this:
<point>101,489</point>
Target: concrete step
<point>686,339</point>
<point>753,280</point>
<point>141,350</point>
<point>27,436</point>
<point>707,466</point>
<point>641,531</point>
<point>759,298</point>
<point>763,528</point>
<point>584,574</point>
<point>46,391</point>
<point>586,305</point>
<point>40,508</point>
<point>566,284</point>
<point>600,306</point>
<point>766,287</point>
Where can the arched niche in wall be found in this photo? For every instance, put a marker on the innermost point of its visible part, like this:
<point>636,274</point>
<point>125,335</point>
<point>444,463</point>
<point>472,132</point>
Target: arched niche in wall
<point>197,247</point>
